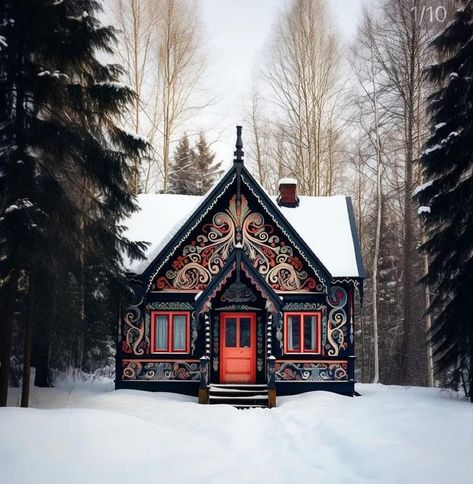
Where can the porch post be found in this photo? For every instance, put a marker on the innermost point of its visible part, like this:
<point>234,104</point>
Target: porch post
<point>270,361</point>
<point>269,336</point>
<point>351,354</point>
<point>205,364</point>
<point>204,379</point>
<point>271,382</point>
<point>207,334</point>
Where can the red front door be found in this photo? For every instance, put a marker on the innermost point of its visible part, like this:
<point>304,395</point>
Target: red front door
<point>237,348</point>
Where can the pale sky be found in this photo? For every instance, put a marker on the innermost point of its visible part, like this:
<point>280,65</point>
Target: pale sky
<point>235,34</point>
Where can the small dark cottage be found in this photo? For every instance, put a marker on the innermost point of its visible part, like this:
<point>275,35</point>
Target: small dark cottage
<point>243,296</point>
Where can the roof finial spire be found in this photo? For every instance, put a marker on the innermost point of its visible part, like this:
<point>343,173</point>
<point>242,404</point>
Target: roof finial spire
<point>238,153</point>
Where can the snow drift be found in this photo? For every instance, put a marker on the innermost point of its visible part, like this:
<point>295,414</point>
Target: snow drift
<point>389,435</point>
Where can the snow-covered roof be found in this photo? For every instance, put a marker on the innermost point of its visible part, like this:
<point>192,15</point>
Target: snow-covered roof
<point>159,218</point>
<point>325,226</point>
<point>324,223</point>
<point>287,181</point>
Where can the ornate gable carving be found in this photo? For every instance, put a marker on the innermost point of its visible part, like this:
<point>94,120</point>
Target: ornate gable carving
<point>238,224</point>
<point>238,292</point>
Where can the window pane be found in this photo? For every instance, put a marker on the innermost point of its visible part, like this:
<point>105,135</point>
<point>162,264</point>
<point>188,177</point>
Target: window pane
<point>294,330</point>
<point>162,332</point>
<point>230,333</point>
<point>245,332</point>
<point>179,333</point>
<point>309,333</point>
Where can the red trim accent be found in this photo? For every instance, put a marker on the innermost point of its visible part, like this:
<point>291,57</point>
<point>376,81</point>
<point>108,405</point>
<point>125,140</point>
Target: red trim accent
<point>345,362</point>
<point>258,287</point>
<point>318,340</point>
<point>252,349</point>
<point>154,360</point>
<point>169,315</point>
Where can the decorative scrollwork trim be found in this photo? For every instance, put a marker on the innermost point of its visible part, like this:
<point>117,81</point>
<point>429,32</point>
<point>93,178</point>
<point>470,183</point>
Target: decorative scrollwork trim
<point>311,371</point>
<point>171,306</point>
<point>186,235</point>
<point>238,225</point>
<point>303,306</point>
<point>134,339</point>
<point>161,370</point>
<point>337,298</point>
<point>285,232</point>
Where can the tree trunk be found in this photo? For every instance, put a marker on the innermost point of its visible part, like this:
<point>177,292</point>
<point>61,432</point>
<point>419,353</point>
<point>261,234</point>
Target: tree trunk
<point>168,85</point>
<point>7,333</point>
<point>470,390</point>
<point>137,87</point>
<point>42,346</point>
<point>428,326</point>
<point>408,249</point>
<point>42,377</point>
<point>379,215</point>
<point>407,287</point>
<point>12,284</point>
<point>375,275</point>
<point>258,155</point>
<point>166,143</point>
<point>28,338</point>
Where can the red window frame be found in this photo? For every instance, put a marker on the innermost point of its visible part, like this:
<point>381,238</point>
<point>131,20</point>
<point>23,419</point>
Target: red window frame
<point>302,350</point>
<point>170,316</point>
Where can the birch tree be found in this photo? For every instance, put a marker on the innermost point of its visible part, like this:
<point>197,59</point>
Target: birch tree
<point>261,143</point>
<point>139,31</point>
<point>302,72</point>
<point>397,40</point>
<point>370,119</point>
<point>164,62</point>
<point>180,67</point>
<point>402,50</point>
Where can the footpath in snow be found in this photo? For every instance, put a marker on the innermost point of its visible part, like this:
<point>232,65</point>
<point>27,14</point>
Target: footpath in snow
<point>81,435</point>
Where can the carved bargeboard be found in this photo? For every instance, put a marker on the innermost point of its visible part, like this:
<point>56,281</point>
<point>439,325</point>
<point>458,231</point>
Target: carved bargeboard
<point>270,253</point>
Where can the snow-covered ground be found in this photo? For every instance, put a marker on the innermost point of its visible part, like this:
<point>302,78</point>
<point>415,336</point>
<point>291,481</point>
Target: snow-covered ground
<point>87,435</point>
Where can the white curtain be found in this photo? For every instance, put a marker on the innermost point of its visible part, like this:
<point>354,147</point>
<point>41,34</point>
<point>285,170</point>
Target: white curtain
<point>179,333</point>
<point>293,330</point>
<point>290,343</point>
<point>162,333</point>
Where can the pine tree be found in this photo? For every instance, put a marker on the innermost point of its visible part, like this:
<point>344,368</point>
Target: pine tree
<point>193,170</point>
<point>207,170</point>
<point>447,197</point>
<point>64,163</point>
<point>183,174</point>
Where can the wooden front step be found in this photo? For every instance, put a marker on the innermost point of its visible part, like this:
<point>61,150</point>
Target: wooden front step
<point>239,395</point>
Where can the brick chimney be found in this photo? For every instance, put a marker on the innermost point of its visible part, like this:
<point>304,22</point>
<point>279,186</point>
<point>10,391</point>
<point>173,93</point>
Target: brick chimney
<point>288,193</point>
